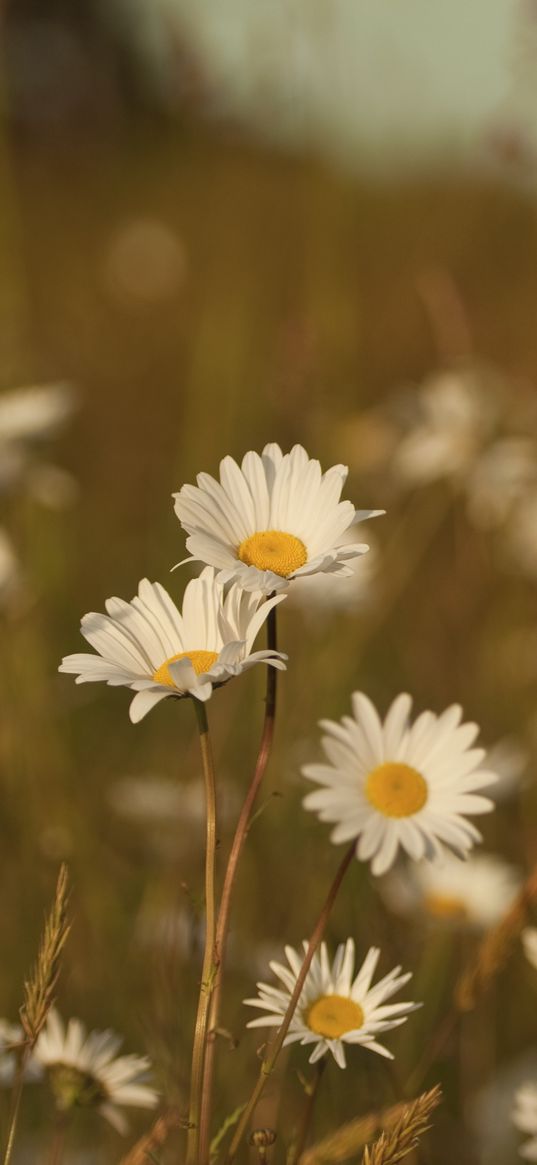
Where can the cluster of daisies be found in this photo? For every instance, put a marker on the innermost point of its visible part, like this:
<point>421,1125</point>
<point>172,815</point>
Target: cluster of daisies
<point>392,786</point>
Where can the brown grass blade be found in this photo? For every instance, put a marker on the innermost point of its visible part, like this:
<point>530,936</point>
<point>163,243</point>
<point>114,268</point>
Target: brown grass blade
<point>495,949</point>
<point>392,1146</point>
<point>343,1143</point>
<point>39,988</point>
<point>142,1153</point>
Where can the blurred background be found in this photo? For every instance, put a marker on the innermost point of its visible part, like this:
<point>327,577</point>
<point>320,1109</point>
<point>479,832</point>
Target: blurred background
<point>224,224</point>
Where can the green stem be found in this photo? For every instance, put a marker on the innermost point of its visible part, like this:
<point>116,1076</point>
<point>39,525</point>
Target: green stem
<point>222,926</point>
<point>15,1104</point>
<point>276,1044</point>
<point>207,974</point>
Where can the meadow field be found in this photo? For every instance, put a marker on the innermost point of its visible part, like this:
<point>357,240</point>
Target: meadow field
<point>203,295</point>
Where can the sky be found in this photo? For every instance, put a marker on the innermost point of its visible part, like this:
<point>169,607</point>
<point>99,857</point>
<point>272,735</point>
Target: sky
<point>399,74</point>
<point>362,78</point>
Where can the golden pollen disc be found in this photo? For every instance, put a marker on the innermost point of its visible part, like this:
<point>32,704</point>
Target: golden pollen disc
<point>333,1015</point>
<point>445,906</point>
<point>273,550</point>
<point>396,790</point>
<point>202,661</point>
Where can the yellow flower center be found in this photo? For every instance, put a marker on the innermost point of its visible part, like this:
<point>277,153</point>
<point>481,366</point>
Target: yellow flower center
<point>445,906</point>
<point>201,661</point>
<point>273,550</point>
<point>396,790</point>
<point>333,1015</point>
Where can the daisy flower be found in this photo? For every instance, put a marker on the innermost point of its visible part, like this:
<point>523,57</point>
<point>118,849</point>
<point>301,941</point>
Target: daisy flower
<point>148,646</point>
<point>274,518</point>
<point>12,1041</point>
<point>525,1119</point>
<point>395,785</point>
<point>529,944</point>
<point>458,412</point>
<point>476,893</point>
<point>318,598</point>
<point>84,1070</point>
<point>34,414</point>
<point>334,1008</point>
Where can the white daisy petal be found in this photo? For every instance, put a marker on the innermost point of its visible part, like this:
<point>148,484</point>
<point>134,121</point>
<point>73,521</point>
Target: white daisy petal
<point>525,1118</point>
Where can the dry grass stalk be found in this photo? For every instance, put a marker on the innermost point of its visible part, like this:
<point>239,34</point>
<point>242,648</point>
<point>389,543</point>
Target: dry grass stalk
<point>143,1151</point>
<point>343,1143</point>
<point>495,949</point>
<point>39,988</point>
<point>392,1146</point>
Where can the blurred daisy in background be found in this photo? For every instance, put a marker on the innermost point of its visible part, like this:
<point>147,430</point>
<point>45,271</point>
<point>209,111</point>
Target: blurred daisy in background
<point>11,575</point>
<point>275,518</point>
<point>149,646</point>
<point>29,417</point>
<point>12,1040</point>
<point>525,1119</point>
<point>472,429</point>
<point>394,785</point>
<point>167,818</point>
<point>529,943</point>
<point>335,1006</point>
<point>508,759</point>
<point>500,480</point>
<point>455,417</point>
<point>475,893</point>
<point>155,801</point>
<point>319,595</point>
<point>84,1070</point>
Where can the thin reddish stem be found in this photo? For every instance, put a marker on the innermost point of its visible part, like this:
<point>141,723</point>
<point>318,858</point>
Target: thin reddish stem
<point>276,1044</point>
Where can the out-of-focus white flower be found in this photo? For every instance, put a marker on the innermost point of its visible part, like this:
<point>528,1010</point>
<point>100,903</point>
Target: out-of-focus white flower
<point>84,1070</point>
<point>457,416</point>
<point>501,478</point>
<point>159,801</point>
<point>28,418</point>
<point>525,1119</point>
<point>34,414</point>
<point>392,784</point>
<point>508,760</point>
<point>458,436</point>
<point>11,1043</point>
<point>320,594</point>
<point>529,943</point>
<point>474,893</point>
<point>335,1008</point>
<point>10,570</point>
<point>489,1112</point>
